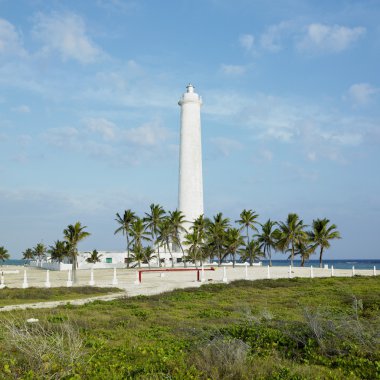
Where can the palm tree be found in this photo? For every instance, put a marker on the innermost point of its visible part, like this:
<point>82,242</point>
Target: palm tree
<point>195,240</point>
<point>138,232</point>
<point>152,221</point>
<point>290,233</point>
<point>73,234</point>
<point>149,255</point>
<point>125,223</point>
<point>248,221</point>
<point>94,257</point>
<point>200,226</point>
<point>59,250</point>
<point>137,253</point>
<point>4,255</point>
<point>304,249</point>
<point>39,251</point>
<point>320,235</point>
<point>216,233</point>
<point>267,239</point>
<point>28,254</point>
<point>233,242</point>
<point>138,235</point>
<point>164,236</point>
<point>251,252</point>
<point>177,219</point>
<point>194,251</point>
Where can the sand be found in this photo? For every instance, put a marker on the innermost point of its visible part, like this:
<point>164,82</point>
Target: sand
<point>154,282</point>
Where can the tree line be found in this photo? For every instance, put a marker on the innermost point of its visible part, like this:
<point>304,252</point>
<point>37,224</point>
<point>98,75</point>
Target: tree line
<point>217,237</point>
<point>213,238</point>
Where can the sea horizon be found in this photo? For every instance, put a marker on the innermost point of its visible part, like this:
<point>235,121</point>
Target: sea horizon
<point>337,263</point>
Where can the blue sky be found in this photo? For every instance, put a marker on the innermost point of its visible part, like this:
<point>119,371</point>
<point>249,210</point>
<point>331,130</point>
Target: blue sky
<point>89,121</point>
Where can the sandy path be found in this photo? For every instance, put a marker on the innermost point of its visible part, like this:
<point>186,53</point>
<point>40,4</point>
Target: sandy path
<point>154,282</point>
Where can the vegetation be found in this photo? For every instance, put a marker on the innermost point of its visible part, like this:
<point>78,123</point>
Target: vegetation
<point>94,257</point>
<point>321,234</point>
<point>28,254</point>
<point>39,251</point>
<point>59,250</point>
<point>73,234</point>
<point>206,239</point>
<point>125,224</point>
<point>269,329</point>
<point>217,239</point>
<point>4,255</point>
<point>13,296</point>
<point>290,233</point>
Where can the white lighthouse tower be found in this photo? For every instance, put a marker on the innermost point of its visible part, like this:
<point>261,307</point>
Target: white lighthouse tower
<point>190,191</point>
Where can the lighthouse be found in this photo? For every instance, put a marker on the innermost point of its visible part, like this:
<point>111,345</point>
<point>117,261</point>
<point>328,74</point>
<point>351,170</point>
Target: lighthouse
<point>190,187</point>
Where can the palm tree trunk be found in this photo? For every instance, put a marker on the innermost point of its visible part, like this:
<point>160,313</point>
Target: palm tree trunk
<point>302,260</point>
<point>233,260</point>
<point>170,252</point>
<point>320,257</point>
<point>74,267</point>
<point>158,253</point>
<point>183,253</point>
<point>127,251</point>
<point>270,256</point>
<point>292,256</point>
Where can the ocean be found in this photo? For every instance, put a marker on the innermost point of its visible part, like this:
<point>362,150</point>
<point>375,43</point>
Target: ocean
<point>338,264</point>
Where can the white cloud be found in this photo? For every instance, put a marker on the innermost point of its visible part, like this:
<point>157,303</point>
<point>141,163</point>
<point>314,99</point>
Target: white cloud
<point>247,41</point>
<point>318,131</point>
<point>329,39</point>
<point>344,138</point>
<point>66,33</point>
<point>361,93</point>
<point>312,156</point>
<point>65,137</point>
<point>10,41</point>
<point>103,126</point>
<point>265,155</point>
<point>233,69</point>
<point>24,140</point>
<point>149,134</point>
<point>225,145</point>
<point>272,38</point>
<point>116,145</point>
<point>117,5</point>
<point>21,109</point>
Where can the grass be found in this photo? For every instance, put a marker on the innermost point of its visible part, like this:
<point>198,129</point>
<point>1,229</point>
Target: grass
<point>13,296</point>
<point>268,329</point>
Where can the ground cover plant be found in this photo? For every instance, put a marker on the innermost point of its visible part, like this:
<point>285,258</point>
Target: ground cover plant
<point>14,296</point>
<point>270,329</point>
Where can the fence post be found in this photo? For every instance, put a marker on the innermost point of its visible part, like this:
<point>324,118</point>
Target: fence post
<point>69,282</point>
<point>138,278</point>
<point>114,280</point>
<point>25,283</point>
<point>224,275</point>
<point>91,282</point>
<point>47,283</point>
